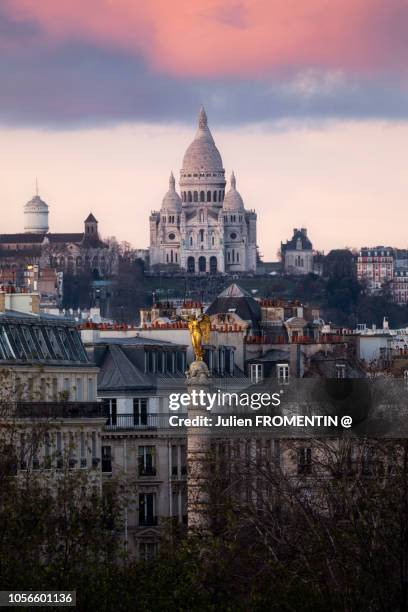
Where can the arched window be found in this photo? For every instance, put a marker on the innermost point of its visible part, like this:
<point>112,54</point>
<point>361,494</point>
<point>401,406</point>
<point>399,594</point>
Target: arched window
<point>237,256</point>
<point>229,256</point>
<point>212,240</point>
<point>191,241</point>
<point>171,256</point>
<point>202,196</point>
<point>201,235</point>
<point>202,264</point>
<point>213,264</point>
<point>196,196</point>
<point>191,265</point>
<point>167,258</point>
<point>176,257</point>
<point>233,255</point>
<point>189,197</point>
<point>220,196</point>
<point>208,196</point>
<point>215,196</point>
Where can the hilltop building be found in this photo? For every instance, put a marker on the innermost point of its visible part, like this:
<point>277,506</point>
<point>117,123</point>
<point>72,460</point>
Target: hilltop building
<point>203,230</point>
<point>70,253</point>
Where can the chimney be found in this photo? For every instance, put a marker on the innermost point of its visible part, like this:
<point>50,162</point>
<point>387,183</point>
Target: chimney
<point>25,303</point>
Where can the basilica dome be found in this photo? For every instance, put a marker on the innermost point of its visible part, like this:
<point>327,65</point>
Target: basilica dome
<point>202,155</point>
<point>233,199</point>
<point>172,200</point>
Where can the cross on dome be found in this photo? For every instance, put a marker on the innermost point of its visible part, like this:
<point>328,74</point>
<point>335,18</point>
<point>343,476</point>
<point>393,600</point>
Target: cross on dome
<point>233,181</point>
<point>172,181</point>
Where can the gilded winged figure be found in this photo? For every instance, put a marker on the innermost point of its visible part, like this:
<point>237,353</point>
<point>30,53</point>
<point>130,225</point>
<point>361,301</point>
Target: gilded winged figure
<point>200,333</point>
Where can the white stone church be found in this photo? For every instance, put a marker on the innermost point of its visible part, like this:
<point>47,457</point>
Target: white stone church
<point>205,230</point>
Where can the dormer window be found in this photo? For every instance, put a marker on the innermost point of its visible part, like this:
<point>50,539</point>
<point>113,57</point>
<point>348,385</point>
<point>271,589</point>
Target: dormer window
<point>340,370</point>
<point>282,370</point>
<point>256,373</point>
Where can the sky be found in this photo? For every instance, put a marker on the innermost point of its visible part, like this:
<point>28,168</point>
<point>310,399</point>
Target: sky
<point>307,101</point>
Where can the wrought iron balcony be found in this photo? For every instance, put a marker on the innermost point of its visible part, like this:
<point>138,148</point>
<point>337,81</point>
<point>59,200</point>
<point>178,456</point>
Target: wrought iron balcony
<point>64,410</point>
<point>131,421</point>
<point>148,521</point>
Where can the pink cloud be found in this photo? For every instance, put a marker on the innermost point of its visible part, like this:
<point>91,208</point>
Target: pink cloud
<point>233,37</point>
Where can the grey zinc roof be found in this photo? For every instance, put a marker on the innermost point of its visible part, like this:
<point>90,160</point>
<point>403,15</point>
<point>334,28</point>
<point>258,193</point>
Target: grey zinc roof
<point>22,238</point>
<point>137,341</point>
<point>118,372</point>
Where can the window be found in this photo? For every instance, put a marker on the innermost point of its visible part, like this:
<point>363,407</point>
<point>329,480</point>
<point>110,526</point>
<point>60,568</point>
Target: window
<point>95,459</point>
<point>147,551</point>
<point>147,509</point>
<point>78,390</point>
<point>304,461</point>
<point>282,370</point>
<point>140,411</point>
<point>147,460</point>
<point>256,372</point>
<point>59,456</point>
<point>110,405</point>
<point>23,452</point>
<point>174,461</point>
<point>91,387</point>
<point>106,459</point>
<point>67,388</point>
<point>340,370</point>
<point>47,451</point>
<point>83,461</point>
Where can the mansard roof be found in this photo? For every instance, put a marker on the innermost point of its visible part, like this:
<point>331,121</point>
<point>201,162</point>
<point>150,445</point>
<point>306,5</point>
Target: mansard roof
<point>299,236</point>
<point>234,290</point>
<point>22,238</point>
<point>40,339</point>
<point>236,299</point>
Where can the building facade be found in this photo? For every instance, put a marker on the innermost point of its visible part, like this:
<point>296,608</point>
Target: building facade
<point>297,253</point>
<point>70,253</point>
<point>375,266</point>
<point>205,230</point>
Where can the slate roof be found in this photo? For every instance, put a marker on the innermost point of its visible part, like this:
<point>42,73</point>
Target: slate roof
<point>117,372</point>
<point>62,238</point>
<point>22,238</point>
<point>235,298</point>
<point>298,234</point>
<point>90,219</point>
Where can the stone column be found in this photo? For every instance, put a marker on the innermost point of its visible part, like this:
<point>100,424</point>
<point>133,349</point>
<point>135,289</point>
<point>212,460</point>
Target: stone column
<point>198,449</point>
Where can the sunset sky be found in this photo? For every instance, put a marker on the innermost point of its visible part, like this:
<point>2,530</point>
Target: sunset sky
<point>307,101</point>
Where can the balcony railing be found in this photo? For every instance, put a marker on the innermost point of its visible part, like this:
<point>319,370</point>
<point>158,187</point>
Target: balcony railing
<point>148,521</point>
<point>63,410</point>
<point>131,421</point>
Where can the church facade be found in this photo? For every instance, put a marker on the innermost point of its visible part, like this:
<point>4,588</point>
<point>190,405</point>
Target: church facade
<point>205,229</point>
<point>71,253</point>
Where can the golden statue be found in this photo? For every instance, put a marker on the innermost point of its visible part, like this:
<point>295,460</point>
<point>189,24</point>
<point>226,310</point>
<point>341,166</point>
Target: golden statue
<point>200,333</point>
